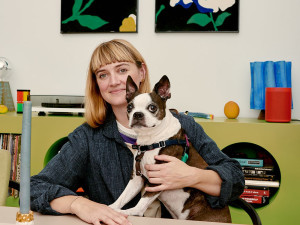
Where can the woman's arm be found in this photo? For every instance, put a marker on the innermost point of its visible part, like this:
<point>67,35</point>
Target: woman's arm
<point>53,190</point>
<point>61,177</point>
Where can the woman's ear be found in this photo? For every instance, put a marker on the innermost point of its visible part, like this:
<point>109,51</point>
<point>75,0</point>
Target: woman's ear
<point>143,72</point>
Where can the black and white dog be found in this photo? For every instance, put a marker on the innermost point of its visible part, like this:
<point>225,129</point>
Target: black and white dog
<point>159,132</point>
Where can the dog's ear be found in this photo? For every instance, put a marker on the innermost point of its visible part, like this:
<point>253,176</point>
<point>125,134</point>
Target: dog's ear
<point>131,89</point>
<point>162,88</point>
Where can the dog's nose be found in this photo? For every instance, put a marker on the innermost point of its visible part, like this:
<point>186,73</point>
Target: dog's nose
<point>138,115</point>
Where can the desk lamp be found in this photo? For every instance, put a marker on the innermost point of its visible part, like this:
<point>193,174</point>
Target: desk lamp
<point>5,93</point>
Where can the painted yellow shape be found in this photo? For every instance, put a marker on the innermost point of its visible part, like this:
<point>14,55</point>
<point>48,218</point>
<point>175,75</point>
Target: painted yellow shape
<point>128,25</point>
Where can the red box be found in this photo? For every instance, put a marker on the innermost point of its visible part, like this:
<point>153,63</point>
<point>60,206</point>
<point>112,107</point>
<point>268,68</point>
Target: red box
<point>278,104</point>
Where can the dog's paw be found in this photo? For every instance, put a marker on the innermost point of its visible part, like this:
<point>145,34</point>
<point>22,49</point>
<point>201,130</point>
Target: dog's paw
<point>115,207</point>
<point>132,212</point>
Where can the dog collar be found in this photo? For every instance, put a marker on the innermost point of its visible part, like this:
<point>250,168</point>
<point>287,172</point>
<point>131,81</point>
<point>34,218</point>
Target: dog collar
<point>162,144</point>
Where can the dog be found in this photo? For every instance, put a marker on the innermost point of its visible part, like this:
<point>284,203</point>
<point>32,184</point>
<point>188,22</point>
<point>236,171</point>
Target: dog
<point>159,132</point>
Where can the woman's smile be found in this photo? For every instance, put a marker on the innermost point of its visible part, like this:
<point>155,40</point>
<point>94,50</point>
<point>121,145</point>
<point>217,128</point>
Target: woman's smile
<point>117,91</point>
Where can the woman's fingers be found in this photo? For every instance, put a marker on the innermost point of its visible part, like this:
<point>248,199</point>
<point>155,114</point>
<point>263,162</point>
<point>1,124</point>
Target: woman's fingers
<point>158,188</point>
<point>165,158</point>
<point>92,212</point>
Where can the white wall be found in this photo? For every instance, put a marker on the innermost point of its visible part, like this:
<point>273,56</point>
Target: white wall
<point>206,69</point>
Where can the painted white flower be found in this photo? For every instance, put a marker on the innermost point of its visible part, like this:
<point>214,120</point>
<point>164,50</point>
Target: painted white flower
<point>216,4</point>
<point>205,6</point>
<point>185,2</point>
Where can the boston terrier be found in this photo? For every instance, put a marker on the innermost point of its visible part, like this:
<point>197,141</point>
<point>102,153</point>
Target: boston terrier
<point>159,132</point>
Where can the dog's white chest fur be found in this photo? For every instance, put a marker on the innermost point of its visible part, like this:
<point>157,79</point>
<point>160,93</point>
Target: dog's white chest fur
<point>148,158</point>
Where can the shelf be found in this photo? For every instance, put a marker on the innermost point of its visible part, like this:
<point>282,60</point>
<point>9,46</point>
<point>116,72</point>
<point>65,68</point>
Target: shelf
<point>45,131</point>
<point>282,141</point>
<point>246,150</point>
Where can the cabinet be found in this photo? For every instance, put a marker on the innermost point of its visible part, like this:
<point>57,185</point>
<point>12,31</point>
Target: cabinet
<point>281,140</point>
<point>45,131</point>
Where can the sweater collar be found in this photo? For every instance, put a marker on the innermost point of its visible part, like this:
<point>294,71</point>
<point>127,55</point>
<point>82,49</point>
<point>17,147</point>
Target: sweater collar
<point>110,128</point>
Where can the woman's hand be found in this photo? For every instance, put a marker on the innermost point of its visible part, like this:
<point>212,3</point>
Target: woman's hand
<point>89,211</point>
<point>94,213</point>
<point>175,174</point>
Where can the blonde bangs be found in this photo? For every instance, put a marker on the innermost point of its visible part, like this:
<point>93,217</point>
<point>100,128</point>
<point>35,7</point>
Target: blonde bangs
<point>112,52</point>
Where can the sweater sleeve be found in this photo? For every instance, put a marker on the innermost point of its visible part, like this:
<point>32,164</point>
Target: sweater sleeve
<point>61,176</point>
<point>228,169</point>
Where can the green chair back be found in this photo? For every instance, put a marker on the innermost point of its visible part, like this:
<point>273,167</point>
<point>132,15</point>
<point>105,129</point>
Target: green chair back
<point>54,149</point>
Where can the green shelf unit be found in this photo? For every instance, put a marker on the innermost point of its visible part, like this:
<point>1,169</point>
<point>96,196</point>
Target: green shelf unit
<point>45,131</point>
<point>282,141</point>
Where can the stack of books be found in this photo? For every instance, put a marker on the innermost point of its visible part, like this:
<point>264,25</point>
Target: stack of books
<point>256,195</point>
<point>12,143</point>
<point>259,181</point>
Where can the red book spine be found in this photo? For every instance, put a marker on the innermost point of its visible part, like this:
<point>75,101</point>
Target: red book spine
<point>256,199</point>
<point>253,199</point>
<point>253,192</point>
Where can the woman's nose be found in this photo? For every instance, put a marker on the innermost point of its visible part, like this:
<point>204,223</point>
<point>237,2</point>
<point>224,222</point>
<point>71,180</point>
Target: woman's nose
<point>114,79</point>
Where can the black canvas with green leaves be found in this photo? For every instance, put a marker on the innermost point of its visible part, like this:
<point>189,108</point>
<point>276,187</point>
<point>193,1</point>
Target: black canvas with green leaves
<point>197,16</point>
<point>98,16</point>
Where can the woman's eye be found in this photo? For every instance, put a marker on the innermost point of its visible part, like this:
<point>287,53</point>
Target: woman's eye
<point>123,70</point>
<point>102,76</point>
<point>152,108</point>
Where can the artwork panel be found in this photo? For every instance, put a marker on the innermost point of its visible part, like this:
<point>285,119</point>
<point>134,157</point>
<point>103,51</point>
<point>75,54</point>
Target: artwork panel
<point>93,16</point>
<point>190,19</point>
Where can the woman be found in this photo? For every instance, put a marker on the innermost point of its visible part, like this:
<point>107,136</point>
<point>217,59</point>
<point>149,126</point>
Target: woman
<point>98,156</point>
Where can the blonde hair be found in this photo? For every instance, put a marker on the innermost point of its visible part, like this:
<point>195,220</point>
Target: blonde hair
<point>116,50</point>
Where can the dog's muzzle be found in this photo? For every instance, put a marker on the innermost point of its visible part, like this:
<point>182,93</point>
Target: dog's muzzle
<point>138,115</point>
<point>138,119</point>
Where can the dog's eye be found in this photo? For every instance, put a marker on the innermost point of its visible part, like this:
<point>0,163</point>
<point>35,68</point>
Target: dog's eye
<point>152,108</point>
<point>129,107</point>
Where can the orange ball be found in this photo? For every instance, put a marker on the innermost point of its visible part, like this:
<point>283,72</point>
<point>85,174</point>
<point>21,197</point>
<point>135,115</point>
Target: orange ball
<point>231,110</point>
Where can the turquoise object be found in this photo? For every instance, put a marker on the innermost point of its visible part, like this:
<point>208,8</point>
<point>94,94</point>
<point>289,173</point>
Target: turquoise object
<point>185,157</point>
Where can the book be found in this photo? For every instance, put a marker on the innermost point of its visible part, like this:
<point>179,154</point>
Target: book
<point>258,170</point>
<point>256,192</point>
<point>250,162</point>
<point>262,200</point>
<point>262,183</point>
<point>259,177</point>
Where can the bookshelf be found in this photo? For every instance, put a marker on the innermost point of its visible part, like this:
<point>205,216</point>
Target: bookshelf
<point>12,144</point>
<point>261,171</point>
<point>44,132</point>
<point>280,140</point>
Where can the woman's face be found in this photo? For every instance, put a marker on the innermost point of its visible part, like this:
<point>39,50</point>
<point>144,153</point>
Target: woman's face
<point>111,80</point>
